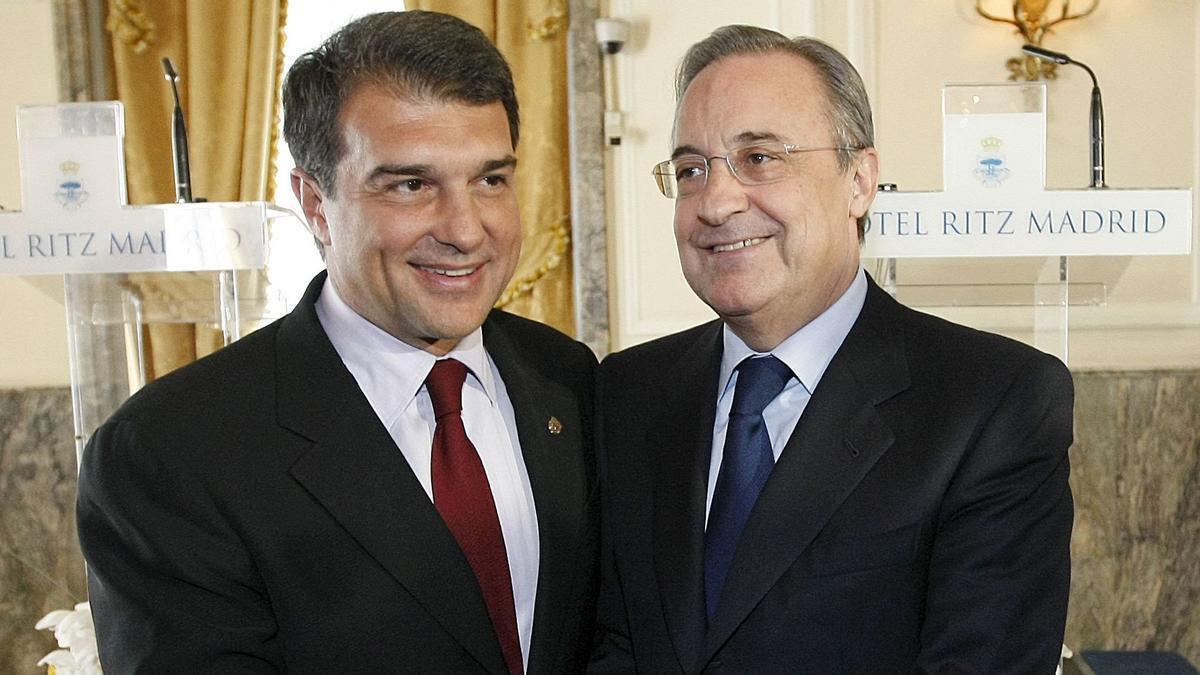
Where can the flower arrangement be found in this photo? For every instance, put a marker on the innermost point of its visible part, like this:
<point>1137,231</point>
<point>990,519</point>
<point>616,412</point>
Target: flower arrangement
<point>77,636</point>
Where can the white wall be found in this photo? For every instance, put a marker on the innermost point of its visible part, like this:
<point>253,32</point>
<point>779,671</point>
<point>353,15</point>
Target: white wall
<point>1144,53</point>
<point>33,334</point>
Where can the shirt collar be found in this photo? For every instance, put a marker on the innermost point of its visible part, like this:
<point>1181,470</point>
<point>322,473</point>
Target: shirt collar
<point>809,350</point>
<point>389,371</point>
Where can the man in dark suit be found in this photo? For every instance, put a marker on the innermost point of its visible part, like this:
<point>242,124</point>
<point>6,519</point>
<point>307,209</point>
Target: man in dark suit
<point>822,481</point>
<point>374,483</point>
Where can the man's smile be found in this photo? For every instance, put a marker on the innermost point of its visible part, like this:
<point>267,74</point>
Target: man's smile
<point>737,245</point>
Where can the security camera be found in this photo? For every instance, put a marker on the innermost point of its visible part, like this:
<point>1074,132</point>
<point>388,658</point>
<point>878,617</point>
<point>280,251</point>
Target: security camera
<point>612,34</point>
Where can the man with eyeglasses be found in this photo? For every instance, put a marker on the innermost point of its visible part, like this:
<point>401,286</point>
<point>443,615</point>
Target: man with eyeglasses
<point>822,481</point>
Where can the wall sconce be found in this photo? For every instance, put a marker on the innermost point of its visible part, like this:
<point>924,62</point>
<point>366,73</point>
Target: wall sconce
<point>1033,22</point>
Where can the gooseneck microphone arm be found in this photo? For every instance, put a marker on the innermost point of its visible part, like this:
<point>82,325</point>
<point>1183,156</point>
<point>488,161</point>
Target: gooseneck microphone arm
<point>1096,135</point>
<point>179,146</point>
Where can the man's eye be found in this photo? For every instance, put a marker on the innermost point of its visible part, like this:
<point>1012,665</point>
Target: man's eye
<point>410,185</point>
<point>684,172</point>
<point>758,157</point>
<point>495,180</point>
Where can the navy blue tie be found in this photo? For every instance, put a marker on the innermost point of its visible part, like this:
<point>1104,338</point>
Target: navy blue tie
<point>745,466</point>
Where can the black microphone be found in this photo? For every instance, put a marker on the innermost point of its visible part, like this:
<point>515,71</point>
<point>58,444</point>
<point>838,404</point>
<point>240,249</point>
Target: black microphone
<point>1097,109</point>
<point>1042,53</point>
<point>179,146</point>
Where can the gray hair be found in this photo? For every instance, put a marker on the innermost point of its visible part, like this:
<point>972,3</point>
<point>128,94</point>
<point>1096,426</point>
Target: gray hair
<point>849,110</point>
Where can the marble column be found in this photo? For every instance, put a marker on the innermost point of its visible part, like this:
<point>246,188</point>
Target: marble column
<point>1135,474</point>
<point>589,232</point>
<point>41,568</point>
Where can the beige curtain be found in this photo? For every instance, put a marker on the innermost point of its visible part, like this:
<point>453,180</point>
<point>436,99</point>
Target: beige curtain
<point>532,35</point>
<point>228,54</point>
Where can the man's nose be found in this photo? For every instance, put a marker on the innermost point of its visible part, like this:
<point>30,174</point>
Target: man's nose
<point>460,223</point>
<point>723,194</point>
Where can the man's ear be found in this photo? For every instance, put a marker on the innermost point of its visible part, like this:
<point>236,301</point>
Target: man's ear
<point>865,182</point>
<point>312,203</point>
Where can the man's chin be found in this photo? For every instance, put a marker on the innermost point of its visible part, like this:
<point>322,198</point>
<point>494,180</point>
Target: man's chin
<point>732,306</point>
<point>455,326</point>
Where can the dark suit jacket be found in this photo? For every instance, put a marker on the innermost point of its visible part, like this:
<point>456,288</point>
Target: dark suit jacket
<point>918,519</point>
<point>250,513</point>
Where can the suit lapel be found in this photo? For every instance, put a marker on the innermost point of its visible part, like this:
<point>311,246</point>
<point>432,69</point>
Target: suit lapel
<point>359,476</point>
<point>682,442</point>
<point>838,439</point>
<point>558,478</point>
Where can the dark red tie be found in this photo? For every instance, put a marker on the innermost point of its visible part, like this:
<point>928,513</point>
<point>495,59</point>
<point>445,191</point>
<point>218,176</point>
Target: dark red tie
<point>463,497</point>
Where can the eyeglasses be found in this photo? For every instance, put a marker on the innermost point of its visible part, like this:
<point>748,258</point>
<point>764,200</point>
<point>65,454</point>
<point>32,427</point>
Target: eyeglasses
<point>756,164</point>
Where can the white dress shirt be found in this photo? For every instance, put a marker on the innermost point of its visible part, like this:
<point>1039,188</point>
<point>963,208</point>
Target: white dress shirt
<point>807,352</point>
<point>392,376</point>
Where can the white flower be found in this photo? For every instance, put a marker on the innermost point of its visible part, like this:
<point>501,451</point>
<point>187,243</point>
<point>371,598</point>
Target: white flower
<point>76,633</point>
<point>52,619</point>
<point>1066,654</point>
<point>61,659</point>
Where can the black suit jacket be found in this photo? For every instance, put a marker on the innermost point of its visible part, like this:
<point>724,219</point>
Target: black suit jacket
<point>918,519</point>
<point>250,513</point>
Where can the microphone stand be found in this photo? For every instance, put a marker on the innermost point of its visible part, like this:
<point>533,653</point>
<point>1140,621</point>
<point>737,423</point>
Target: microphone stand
<point>1096,141</point>
<point>179,146</point>
<point>1096,135</point>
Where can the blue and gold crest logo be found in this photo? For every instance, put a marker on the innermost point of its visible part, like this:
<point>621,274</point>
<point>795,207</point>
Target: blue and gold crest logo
<point>70,193</point>
<point>990,168</point>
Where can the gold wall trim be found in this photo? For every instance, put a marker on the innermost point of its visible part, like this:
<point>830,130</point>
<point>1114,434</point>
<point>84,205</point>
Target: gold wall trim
<point>522,286</point>
<point>276,105</point>
<point>549,27</point>
<point>128,23</point>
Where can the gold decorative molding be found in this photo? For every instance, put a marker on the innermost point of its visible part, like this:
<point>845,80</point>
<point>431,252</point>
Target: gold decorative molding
<point>1033,22</point>
<point>127,21</point>
<point>560,233</point>
<point>549,27</point>
<point>276,105</point>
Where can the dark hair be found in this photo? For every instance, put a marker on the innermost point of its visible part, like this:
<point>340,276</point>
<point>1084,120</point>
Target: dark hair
<point>418,54</point>
<point>849,110</point>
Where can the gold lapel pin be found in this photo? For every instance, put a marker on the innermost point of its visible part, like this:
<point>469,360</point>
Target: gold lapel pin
<point>554,426</point>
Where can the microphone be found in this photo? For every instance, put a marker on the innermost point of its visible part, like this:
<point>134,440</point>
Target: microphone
<point>1042,53</point>
<point>1096,135</point>
<point>179,146</point>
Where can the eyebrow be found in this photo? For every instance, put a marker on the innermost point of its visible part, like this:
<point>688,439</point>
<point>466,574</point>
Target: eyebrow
<point>384,171</point>
<point>740,139</point>
<point>507,162</point>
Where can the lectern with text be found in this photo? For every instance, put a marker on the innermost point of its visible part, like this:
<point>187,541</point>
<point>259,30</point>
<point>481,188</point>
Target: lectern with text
<point>995,204</point>
<point>75,221</point>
